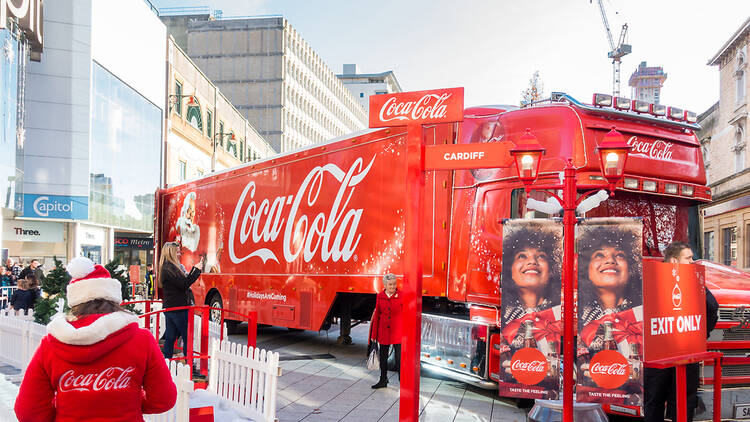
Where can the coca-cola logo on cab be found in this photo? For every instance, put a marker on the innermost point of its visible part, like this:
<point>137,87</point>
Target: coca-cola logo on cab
<point>657,148</point>
<point>609,369</point>
<point>528,366</point>
<point>332,234</point>
<point>108,379</point>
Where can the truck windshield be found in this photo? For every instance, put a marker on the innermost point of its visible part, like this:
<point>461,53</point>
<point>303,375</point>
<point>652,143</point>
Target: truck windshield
<point>665,219</point>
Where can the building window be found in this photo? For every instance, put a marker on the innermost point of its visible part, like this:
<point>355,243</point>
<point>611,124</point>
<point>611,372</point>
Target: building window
<point>242,151</point>
<point>729,246</point>
<point>739,77</point>
<point>708,246</point>
<point>221,133</point>
<point>739,148</point>
<point>209,125</point>
<point>181,170</point>
<point>178,98</point>
<point>193,115</point>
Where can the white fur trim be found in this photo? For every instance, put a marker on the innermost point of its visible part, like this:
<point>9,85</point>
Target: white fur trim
<point>97,331</point>
<point>80,267</point>
<point>94,288</point>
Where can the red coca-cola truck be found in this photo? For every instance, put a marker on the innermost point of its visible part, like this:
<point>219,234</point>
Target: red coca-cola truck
<point>304,238</point>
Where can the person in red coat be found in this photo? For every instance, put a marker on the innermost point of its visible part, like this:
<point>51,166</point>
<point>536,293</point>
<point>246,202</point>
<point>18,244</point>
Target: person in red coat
<point>386,326</point>
<point>96,364</point>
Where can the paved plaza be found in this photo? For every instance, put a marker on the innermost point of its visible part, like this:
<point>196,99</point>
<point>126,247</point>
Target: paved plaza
<point>325,381</point>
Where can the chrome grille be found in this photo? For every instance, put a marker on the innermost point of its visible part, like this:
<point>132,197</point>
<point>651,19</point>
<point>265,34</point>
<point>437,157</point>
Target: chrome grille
<point>735,371</point>
<point>736,335</point>
<point>725,314</point>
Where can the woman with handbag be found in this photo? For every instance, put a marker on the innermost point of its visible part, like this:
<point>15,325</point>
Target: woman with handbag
<point>386,326</point>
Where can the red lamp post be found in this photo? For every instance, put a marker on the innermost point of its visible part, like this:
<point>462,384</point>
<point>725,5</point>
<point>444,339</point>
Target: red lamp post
<point>613,153</point>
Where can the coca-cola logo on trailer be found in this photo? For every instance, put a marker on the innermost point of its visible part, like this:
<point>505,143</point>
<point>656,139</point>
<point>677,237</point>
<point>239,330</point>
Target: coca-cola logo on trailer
<point>332,235</point>
<point>609,369</point>
<point>528,366</point>
<point>657,148</point>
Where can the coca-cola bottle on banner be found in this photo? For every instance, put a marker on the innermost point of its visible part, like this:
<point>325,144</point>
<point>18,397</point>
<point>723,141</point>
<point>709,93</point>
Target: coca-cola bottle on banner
<point>553,370</point>
<point>528,335</point>
<point>634,359</point>
<point>609,338</point>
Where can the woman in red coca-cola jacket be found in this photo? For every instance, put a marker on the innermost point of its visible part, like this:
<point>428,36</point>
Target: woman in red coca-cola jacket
<point>96,364</point>
<point>386,326</point>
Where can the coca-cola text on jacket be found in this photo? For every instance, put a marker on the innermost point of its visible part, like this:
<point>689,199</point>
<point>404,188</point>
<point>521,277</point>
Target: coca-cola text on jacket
<point>112,378</point>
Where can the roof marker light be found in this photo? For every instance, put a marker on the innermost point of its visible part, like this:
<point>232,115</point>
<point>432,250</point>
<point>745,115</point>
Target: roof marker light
<point>641,106</point>
<point>670,188</point>
<point>602,100</point>
<point>687,190</point>
<point>649,185</point>
<point>658,110</point>
<point>629,183</point>
<point>690,116</point>
<point>622,103</point>
<point>675,113</point>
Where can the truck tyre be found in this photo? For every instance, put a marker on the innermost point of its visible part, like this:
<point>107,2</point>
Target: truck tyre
<point>215,302</point>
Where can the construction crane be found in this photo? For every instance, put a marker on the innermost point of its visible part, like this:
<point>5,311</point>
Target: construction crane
<point>618,50</point>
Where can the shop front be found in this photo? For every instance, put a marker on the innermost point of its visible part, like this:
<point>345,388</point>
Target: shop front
<point>25,240</point>
<point>134,250</point>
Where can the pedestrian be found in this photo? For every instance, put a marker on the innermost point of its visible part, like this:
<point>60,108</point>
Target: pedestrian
<point>26,295</point>
<point>95,363</point>
<point>386,326</point>
<point>5,277</point>
<point>34,268</point>
<point>175,283</point>
<point>150,280</point>
<point>14,270</point>
<point>659,384</point>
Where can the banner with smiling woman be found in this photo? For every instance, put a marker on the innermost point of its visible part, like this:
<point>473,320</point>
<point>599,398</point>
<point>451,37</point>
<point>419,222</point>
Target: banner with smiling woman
<point>531,314</point>
<point>610,311</point>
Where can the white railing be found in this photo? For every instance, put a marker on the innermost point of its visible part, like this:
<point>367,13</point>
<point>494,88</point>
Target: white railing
<point>247,377</point>
<point>5,294</point>
<point>214,332</point>
<point>20,337</point>
<point>181,375</point>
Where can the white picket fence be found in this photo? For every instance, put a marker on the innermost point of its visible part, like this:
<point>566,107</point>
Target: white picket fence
<point>5,293</point>
<point>20,337</point>
<point>247,377</point>
<point>181,375</point>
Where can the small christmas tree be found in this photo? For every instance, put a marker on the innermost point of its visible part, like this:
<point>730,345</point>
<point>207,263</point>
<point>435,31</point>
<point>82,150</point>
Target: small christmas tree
<point>54,286</point>
<point>118,272</point>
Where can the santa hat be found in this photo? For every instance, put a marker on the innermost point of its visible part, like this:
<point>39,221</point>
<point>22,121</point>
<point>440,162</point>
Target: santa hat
<point>91,281</point>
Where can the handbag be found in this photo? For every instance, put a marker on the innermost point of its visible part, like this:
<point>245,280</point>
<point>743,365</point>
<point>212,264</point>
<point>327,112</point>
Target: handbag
<point>373,358</point>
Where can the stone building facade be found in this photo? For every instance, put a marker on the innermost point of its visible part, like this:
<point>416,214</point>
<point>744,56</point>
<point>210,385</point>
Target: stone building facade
<point>205,132</point>
<point>726,221</point>
<point>273,76</point>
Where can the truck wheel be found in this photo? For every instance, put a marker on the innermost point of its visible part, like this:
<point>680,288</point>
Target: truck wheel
<point>215,302</point>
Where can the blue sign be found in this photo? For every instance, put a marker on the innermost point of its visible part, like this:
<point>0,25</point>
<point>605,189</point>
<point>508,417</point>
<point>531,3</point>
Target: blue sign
<point>56,206</point>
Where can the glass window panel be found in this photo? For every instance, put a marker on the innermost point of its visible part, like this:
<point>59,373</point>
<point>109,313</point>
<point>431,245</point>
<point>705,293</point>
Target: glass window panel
<point>729,246</point>
<point>126,133</point>
<point>708,246</point>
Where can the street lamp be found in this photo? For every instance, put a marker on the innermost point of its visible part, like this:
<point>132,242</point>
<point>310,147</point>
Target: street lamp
<point>613,153</point>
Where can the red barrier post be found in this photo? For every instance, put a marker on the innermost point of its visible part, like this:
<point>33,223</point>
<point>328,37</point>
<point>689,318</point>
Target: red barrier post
<point>191,326</point>
<point>147,322</point>
<point>681,393</point>
<point>717,390</point>
<point>252,329</point>
<point>206,315</point>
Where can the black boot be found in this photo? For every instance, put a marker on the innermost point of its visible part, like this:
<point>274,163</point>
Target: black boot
<point>381,384</point>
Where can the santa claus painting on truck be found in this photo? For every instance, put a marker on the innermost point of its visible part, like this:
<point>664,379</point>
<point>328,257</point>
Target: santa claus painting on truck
<point>304,238</point>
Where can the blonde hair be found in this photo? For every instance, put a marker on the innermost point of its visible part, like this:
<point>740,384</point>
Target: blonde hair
<point>168,254</point>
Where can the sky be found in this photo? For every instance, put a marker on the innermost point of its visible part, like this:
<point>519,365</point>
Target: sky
<point>493,47</point>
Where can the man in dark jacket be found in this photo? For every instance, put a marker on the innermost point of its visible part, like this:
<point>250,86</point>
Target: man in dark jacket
<point>34,268</point>
<point>659,384</point>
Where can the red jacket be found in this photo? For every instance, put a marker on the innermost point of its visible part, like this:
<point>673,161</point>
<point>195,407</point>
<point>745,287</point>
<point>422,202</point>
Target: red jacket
<point>97,368</point>
<point>386,320</point>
